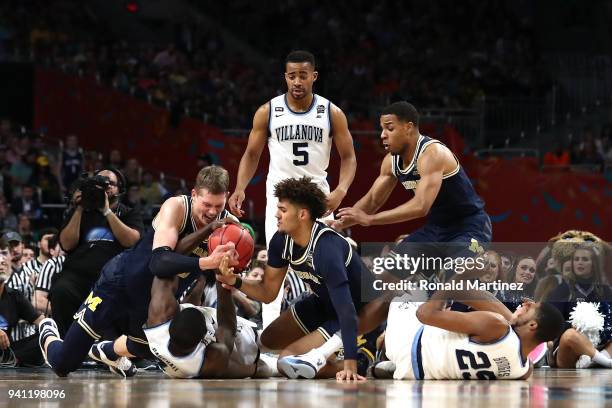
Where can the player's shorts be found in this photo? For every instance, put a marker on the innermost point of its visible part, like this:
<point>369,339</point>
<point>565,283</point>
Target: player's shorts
<point>468,237</point>
<point>402,338</point>
<point>310,314</point>
<point>109,305</point>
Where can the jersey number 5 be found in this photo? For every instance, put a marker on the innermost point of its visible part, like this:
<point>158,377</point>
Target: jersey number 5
<point>299,151</point>
<point>474,365</point>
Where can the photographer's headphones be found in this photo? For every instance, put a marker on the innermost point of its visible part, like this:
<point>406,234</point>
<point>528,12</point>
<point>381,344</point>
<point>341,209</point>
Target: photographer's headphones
<point>121,182</point>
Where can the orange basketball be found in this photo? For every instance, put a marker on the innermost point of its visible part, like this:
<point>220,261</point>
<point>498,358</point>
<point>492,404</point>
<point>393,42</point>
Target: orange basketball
<point>240,237</point>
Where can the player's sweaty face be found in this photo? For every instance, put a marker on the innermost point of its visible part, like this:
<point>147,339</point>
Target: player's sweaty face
<point>206,206</point>
<point>299,77</point>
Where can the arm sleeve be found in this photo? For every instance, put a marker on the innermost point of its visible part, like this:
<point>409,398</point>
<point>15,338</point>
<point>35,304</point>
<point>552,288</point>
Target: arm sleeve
<point>275,251</point>
<point>166,263</point>
<point>329,258</point>
<point>25,310</point>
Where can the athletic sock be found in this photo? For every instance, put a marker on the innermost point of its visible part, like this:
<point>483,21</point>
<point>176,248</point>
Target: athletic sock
<point>602,360</point>
<point>107,348</point>
<point>330,346</point>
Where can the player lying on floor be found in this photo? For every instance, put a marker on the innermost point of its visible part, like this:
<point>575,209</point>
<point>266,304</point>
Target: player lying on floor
<point>429,341</point>
<point>202,342</point>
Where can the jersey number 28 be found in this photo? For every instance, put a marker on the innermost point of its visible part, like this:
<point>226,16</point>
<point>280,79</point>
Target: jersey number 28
<point>301,153</point>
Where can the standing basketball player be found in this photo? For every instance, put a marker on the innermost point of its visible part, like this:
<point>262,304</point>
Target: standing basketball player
<point>442,191</point>
<point>298,127</point>
<point>122,293</point>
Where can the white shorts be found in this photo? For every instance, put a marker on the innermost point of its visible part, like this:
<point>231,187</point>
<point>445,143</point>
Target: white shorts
<point>402,327</point>
<point>271,311</point>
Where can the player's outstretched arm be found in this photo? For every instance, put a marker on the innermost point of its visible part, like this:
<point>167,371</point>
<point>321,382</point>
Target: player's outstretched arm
<point>348,162</point>
<point>328,260</point>
<point>431,168</point>
<point>163,305</point>
<point>218,353</point>
<point>375,198</point>
<point>483,326</point>
<point>250,158</point>
<point>263,291</point>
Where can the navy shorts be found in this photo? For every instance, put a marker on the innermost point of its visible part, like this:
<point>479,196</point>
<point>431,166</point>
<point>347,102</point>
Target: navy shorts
<point>110,305</point>
<point>312,315</point>
<point>466,238</point>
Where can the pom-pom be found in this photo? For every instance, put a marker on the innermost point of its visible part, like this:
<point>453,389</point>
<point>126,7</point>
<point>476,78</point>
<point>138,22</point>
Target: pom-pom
<point>587,319</point>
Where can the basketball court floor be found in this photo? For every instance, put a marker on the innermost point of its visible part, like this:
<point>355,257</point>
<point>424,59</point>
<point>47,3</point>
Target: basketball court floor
<point>90,388</point>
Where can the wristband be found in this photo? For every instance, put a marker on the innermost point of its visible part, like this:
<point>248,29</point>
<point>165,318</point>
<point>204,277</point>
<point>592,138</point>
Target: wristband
<point>238,282</point>
<point>107,212</point>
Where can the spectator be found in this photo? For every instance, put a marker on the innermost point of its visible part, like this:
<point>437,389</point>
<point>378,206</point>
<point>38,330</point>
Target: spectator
<point>585,283</point>
<point>72,162</point>
<point>28,204</point>
<point>115,160</point>
<point>132,171</point>
<point>48,183</point>
<point>6,185</point>
<point>90,238</point>
<point>14,307</point>
<point>525,274</point>
<point>8,220</point>
<point>151,191</point>
<point>24,228</point>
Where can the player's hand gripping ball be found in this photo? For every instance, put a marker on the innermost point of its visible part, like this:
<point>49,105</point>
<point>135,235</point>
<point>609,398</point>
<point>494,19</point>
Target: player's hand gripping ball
<point>241,238</point>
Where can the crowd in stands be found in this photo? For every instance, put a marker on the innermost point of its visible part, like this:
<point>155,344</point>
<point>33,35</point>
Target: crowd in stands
<point>592,147</point>
<point>434,56</point>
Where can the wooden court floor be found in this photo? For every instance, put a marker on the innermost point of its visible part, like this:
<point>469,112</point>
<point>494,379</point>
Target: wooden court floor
<point>92,388</point>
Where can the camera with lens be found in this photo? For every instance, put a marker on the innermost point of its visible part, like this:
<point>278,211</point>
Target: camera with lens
<point>93,191</point>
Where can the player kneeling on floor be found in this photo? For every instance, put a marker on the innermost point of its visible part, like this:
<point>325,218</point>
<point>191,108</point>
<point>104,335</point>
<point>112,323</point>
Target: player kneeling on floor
<point>305,333</point>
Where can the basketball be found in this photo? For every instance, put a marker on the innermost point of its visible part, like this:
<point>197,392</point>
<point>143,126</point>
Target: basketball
<point>241,238</point>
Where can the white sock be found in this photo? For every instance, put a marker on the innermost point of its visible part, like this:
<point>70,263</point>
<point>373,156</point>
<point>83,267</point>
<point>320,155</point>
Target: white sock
<point>330,346</point>
<point>602,360</point>
<point>605,353</point>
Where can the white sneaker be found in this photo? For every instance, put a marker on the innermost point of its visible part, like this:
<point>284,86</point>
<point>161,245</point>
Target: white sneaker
<point>122,366</point>
<point>584,361</point>
<point>303,365</point>
<point>47,327</point>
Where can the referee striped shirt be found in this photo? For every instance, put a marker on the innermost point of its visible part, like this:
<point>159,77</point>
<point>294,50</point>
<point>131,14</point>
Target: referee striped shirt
<point>20,281</point>
<point>50,268</point>
<point>296,288</point>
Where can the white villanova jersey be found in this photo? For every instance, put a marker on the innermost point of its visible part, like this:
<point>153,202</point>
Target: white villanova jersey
<point>299,142</point>
<point>243,356</point>
<point>449,355</point>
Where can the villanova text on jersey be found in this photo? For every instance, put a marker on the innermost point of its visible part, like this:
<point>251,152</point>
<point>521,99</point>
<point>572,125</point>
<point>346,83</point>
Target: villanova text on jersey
<point>301,132</point>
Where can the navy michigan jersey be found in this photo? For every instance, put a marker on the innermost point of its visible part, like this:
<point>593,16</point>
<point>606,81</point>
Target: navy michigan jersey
<point>284,252</point>
<point>135,261</point>
<point>337,277</point>
<point>455,200</point>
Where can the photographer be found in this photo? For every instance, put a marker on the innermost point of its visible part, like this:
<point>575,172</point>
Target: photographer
<point>96,228</point>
